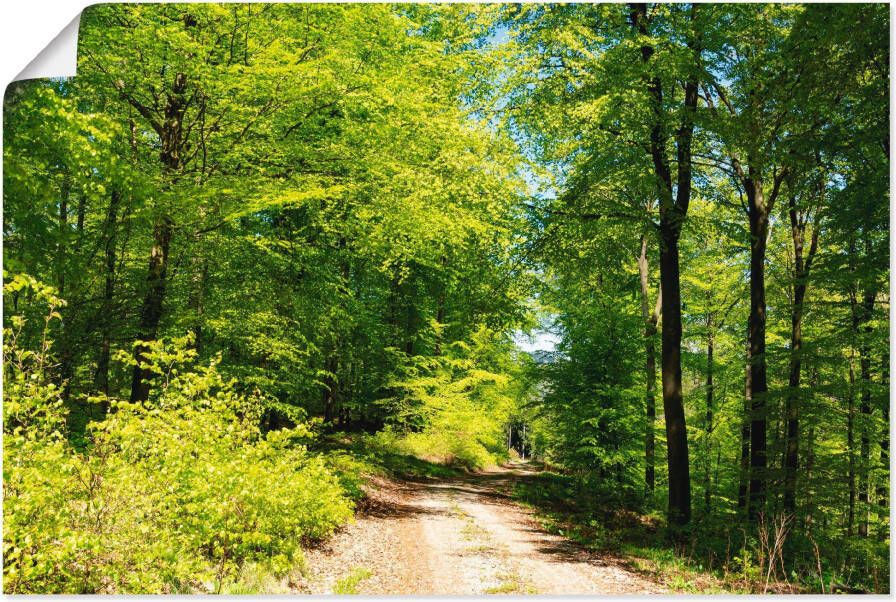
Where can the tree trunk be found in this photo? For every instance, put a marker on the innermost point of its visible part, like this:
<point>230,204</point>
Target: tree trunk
<point>440,319</point>
<point>865,409</point>
<point>330,393</point>
<point>850,450</point>
<point>79,220</point>
<point>710,402</point>
<point>651,318</point>
<point>674,202</point>
<point>66,353</point>
<point>101,379</point>
<point>861,313</point>
<point>792,401</point>
<point>440,307</point>
<point>809,512</point>
<point>65,192</point>
<point>758,213</point>
<point>197,303</point>
<point>673,402</point>
<point>883,490</point>
<point>743,488</point>
<point>151,314</point>
<point>410,326</point>
<point>171,138</point>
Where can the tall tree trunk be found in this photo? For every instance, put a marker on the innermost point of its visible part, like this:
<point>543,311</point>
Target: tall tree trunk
<point>865,410</point>
<point>197,303</point>
<point>809,513</point>
<point>792,402</point>
<point>651,318</point>
<point>758,214</point>
<point>440,306</point>
<point>673,402</point>
<point>151,315</point>
<point>743,490</point>
<point>61,250</point>
<point>861,313</point>
<point>404,292</point>
<point>410,325</point>
<point>101,379</point>
<point>674,202</point>
<point>710,402</point>
<point>341,367</point>
<point>883,490</point>
<point>171,137</point>
<point>330,392</point>
<point>79,220</point>
<point>66,353</point>
<point>337,372</point>
<point>850,449</point>
<point>440,319</point>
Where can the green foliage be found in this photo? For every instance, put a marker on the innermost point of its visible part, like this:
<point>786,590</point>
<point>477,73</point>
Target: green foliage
<point>321,216</point>
<point>313,232</point>
<point>787,100</point>
<point>349,584</point>
<point>173,495</point>
<point>452,409</point>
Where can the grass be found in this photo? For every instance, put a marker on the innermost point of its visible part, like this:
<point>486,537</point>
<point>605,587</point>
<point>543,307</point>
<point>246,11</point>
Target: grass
<point>718,553</point>
<point>471,531</point>
<point>511,584</point>
<point>481,549</point>
<point>348,585</point>
<point>676,573</point>
<point>261,578</point>
<point>599,521</point>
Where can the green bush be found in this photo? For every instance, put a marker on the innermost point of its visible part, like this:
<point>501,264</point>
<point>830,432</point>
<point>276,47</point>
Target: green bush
<point>174,495</point>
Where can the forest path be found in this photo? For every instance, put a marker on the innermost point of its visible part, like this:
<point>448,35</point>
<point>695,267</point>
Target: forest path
<point>459,536</point>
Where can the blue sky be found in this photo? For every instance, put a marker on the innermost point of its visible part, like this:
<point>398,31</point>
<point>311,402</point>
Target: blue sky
<point>540,340</point>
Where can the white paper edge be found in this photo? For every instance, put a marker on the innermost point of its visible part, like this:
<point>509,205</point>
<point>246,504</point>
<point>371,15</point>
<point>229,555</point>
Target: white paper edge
<point>58,59</point>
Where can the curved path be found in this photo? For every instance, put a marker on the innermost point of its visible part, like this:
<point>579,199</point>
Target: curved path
<point>459,536</point>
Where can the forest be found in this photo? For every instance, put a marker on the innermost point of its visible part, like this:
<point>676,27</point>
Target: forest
<point>259,258</point>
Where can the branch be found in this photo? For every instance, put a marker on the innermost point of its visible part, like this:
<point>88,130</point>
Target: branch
<point>813,247</point>
<point>724,97</point>
<point>776,187</point>
<point>118,84</point>
<point>319,108</point>
<point>735,162</point>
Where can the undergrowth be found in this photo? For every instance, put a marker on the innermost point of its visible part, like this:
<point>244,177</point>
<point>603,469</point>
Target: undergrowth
<point>183,493</point>
<point>715,554</point>
<point>349,585</point>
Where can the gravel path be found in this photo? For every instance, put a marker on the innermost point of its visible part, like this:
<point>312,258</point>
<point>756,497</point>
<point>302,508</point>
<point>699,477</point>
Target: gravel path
<point>459,536</point>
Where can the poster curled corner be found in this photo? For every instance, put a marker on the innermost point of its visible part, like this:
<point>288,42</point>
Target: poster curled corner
<point>58,59</point>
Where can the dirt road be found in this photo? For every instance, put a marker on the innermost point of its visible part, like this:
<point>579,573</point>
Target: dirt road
<point>459,536</point>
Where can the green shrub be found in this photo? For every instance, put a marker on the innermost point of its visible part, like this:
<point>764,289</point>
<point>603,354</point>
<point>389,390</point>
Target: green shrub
<point>174,495</point>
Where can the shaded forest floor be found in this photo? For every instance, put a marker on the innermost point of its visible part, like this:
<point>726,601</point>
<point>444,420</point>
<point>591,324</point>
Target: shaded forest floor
<point>423,528</point>
<point>461,534</point>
